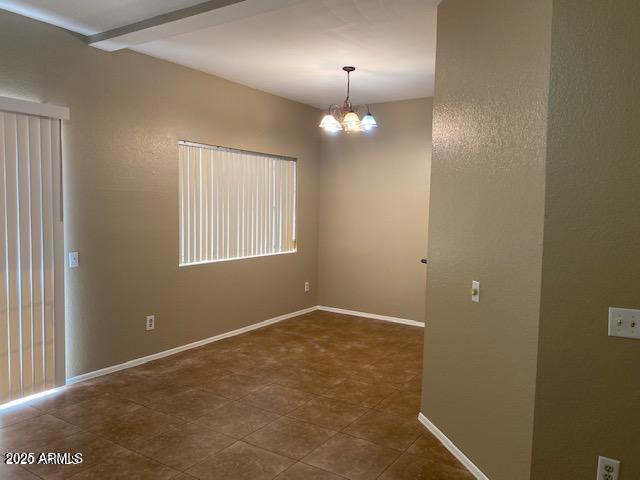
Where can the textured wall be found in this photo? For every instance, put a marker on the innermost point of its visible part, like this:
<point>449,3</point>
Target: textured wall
<point>121,192</point>
<point>486,224</point>
<point>373,213</point>
<point>588,391</point>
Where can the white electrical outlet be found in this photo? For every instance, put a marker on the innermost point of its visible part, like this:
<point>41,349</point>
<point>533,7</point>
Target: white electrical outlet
<point>151,322</point>
<point>74,260</point>
<point>624,322</point>
<point>608,469</point>
<point>475,291</point>
<point>306,286</point>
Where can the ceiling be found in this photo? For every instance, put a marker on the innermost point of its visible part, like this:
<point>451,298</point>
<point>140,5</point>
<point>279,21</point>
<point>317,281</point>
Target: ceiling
<point>291,48</point>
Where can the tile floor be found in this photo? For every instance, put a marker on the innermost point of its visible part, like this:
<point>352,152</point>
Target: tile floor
<point>318,397</point>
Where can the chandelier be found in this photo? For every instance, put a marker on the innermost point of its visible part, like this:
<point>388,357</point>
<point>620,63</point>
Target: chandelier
<point>345,116</point>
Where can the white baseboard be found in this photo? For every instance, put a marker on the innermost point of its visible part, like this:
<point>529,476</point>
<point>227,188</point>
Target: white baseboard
<point>199,343</point>
<point>172,351</point>
<point>374,316</point>
<point>455,451</point>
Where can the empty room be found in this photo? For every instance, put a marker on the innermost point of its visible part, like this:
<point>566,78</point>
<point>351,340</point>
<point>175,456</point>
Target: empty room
<point>320,239</point>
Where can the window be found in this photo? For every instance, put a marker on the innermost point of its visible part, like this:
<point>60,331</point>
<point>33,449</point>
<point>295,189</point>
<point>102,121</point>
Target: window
<point>235,204</point>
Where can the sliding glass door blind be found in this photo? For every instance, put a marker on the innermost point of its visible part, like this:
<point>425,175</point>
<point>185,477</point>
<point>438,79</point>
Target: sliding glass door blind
<point>235,204</point>
<point>29,178</point>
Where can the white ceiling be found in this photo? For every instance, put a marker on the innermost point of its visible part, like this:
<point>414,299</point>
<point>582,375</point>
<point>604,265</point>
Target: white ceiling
<point>295,50</point>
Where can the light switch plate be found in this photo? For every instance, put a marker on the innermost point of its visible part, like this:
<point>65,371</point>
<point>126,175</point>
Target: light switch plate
<point>475,291</point>
<point>624,322</point>
<point>74,260</point>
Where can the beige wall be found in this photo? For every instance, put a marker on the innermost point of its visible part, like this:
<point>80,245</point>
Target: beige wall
<point>546,281</point>
<point>486,224</point>
<point>588,391</point>
<point>373,213</point>
<point>121,193</point>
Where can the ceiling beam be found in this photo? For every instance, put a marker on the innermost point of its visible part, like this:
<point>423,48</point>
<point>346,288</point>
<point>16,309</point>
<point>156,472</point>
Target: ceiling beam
<point>185,20</point>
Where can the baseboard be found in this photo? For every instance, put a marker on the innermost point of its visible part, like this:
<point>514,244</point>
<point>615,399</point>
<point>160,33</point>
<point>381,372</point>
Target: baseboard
<point>455,451</point>
<point>199,343</point>
<point>172,351</point>
<point>374,316</point>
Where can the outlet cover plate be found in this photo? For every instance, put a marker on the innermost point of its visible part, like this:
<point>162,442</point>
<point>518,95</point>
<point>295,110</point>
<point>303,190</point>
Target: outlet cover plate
<point>608,469</point>
<point>74,260</point>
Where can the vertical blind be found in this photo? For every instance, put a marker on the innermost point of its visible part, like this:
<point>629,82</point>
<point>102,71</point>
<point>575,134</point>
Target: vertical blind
<point>29,162</point>
<point>235,204</point>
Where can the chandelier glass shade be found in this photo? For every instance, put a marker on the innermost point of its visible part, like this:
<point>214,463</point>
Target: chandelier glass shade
<point>368,122</point>
<point>351,122</point>
<point>330,124</point>
<point>345,117</point>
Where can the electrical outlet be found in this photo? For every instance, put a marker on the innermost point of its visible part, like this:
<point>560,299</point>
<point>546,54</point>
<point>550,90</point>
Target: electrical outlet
<point>74,260</point>
<point>306,286</point>
<point>475,291</point>
<point>151,322</point>
<point>608,468</point>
